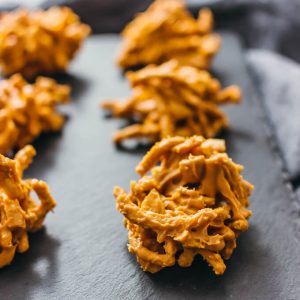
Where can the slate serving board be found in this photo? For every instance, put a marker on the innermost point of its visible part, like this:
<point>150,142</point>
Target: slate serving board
<point>82,252</point>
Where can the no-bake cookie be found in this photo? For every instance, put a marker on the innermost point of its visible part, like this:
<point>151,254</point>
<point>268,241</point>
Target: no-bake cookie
<point>166,30</point>
<point>27,110</point>
<point>35,42</point>
<point>172,100</point>
<point>190,200</point>
<point>19,212</point>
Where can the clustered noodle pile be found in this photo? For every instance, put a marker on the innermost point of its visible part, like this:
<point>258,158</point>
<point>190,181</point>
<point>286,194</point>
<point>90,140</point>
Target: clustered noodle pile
<point>166,30</point>
<point>19,213</point>
<point>193,202</point>
<point>172,100</point>
<point>27,110</point>
<point>39,41</point>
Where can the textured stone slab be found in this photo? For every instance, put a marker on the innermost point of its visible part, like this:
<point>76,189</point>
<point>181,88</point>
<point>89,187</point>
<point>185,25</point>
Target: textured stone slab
<point>83,255</point>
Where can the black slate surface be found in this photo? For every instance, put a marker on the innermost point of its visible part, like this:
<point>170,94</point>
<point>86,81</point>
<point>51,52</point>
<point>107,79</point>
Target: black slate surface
<point>82,252</point>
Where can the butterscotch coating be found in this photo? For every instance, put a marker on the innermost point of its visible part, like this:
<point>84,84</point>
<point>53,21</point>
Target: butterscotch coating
<point>166,30</point>
<point>172,100</point>
<point>19,212</point>
<point>35,42</point>
<point>190,199</point>
<point>27,110</point>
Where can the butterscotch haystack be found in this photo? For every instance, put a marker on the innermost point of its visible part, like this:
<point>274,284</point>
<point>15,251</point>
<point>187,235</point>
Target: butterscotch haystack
<point>193,202</point>
<point>19,212</point>
<point>166,30</point>
<point>39,41</point>
<point>27,110</point>
<point>172,100</point>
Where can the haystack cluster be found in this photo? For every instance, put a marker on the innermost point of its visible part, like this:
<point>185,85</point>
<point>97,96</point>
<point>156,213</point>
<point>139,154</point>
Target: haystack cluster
<point>190,200</point>
<point>172,100</point>
<point>38,42</point>
<point>19,212</point>
<point>166,30</point>
<point>27,110</point>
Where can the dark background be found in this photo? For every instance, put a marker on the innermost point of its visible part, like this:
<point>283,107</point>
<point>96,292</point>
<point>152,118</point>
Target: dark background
<point>271,24</point>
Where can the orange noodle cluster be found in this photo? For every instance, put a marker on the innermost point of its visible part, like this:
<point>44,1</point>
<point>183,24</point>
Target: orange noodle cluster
<point>19,212</point>
<point>38,42</point>
<point>166,30</point>
<point>27,110</point>
<point>190,200</point>
<point>172,100</point>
